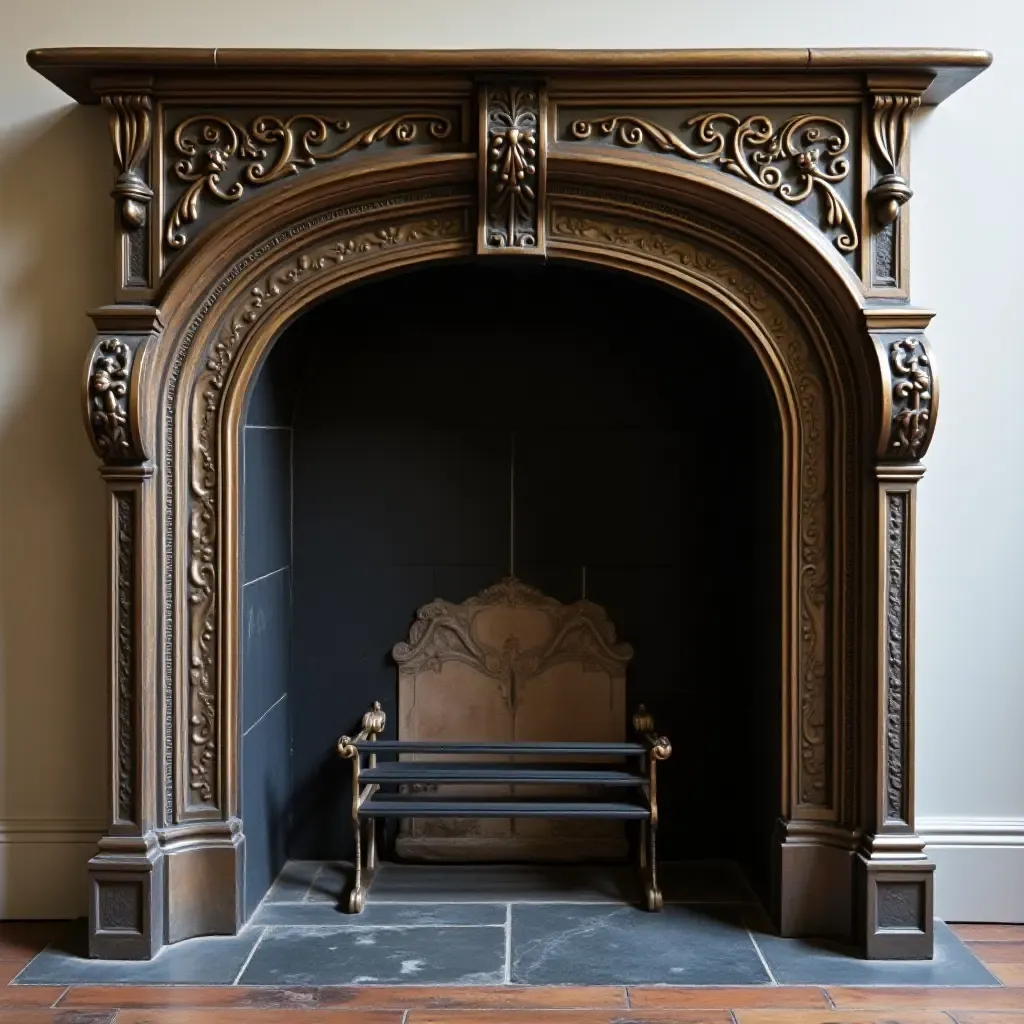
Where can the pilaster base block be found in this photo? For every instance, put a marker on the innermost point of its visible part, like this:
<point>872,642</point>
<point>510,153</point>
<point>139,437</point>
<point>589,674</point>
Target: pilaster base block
<point>205,887</point>
<point>126,899</point>
<point>894,908</point>
<point>814,881</point>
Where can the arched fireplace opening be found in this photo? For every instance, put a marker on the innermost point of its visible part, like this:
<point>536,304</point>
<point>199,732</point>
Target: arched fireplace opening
<point>589,432</point>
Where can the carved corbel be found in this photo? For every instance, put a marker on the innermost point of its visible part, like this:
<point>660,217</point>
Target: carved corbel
<point>110,393</point>
<point>890,128</point>
<point>512,169</point>
<point>131,131</point>
<point>911,400</point>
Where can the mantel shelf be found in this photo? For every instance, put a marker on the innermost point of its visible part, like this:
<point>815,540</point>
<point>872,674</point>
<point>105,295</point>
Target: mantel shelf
<point>77,70</point>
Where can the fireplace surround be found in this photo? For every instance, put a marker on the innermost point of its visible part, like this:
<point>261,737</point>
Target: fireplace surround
<point>771,186</point>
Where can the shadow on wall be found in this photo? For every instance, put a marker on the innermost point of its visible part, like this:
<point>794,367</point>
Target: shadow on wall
<point>55,264</point>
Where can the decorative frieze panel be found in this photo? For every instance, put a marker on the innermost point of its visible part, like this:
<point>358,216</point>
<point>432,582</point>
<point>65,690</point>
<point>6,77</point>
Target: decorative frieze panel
<point>124,659</point>
<point>512,168</point>
<point>214,158</point>
<point>896,650</point>
<point>802,158</point>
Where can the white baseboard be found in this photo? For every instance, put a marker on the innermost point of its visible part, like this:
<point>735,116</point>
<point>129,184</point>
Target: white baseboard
<point>979,874</point>
<point>43,866</point>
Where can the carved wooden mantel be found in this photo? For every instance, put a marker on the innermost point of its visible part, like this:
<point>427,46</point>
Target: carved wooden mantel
<point>773,185</point>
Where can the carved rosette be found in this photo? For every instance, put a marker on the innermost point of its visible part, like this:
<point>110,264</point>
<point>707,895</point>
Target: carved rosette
<point>813,785</point>
<point>107,398</point>
<point>320,258</point>
<point>913,404</point>
<point>895,661</point>
<point>219,158</point>
<point>890,130</point>
<point>512,169</point>
<point>805,154</point>
<point>131,131</point>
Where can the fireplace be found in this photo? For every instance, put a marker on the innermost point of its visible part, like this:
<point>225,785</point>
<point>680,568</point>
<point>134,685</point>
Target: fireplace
<point>647,314</point>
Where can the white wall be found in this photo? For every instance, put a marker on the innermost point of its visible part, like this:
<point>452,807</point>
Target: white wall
<point>54,264</point>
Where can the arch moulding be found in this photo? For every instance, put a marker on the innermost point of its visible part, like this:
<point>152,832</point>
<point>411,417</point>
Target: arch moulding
<point>771,186</point>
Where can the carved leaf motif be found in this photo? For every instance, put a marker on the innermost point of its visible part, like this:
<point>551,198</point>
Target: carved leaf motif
<point>203,519</point>
<point>512,155</point>
<point>810,146</point>
<point>912,388</point>
<point>215,149</point>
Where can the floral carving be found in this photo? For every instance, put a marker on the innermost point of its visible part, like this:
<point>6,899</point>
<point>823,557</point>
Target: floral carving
<point>220,156</point>
<point>512,160</point>
<point>813,565</point>
<point>203,519</point>
<point>895,600</point>
<point>108,399</point>
<point>912,390</point>
<point>810,147</point>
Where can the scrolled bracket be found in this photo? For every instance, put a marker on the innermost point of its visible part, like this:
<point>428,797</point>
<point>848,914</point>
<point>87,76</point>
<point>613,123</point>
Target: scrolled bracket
<point>513,164</point>
<point>110,389</point>
<point>890,129</point>
<point>131,130</point>
<point>912,398</point>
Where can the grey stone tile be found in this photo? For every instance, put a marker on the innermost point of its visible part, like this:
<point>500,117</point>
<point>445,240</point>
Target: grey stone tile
<point>819,962</point>
<point>331,882</point>
<point>419,915</point>
<point>500,883</point>
<point>594,945</point>
<point>204,961</point>
<point>384,956</point>
<point>294,881</point>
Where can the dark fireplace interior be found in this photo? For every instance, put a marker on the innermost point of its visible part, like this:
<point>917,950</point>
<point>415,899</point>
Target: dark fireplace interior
<point>427,434</point>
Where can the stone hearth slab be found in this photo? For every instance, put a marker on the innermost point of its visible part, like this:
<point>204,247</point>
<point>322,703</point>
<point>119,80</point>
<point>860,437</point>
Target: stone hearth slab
<point>595,945</point>
<point>807,962</point>
<point>205,961</point>
<point>388,915</point>
<point>378,956</point>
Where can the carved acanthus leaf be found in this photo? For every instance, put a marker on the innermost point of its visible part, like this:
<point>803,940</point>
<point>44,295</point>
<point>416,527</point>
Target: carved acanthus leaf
<point>221,156</point>
<point>806,153</point>
<point>203,519</point>
<point>131,131</point>
<point>890,129</point>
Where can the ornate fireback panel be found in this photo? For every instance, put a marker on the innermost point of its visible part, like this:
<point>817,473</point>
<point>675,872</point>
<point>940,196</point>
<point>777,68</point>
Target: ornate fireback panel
<point>511,664</point>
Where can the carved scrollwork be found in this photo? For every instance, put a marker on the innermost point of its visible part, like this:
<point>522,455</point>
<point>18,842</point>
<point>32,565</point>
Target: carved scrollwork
<point>805,153</point>
<point>512,160</point>
<point>203,521</point>
<point>890,129</point>
<point>107,389</point>
<point>813,553</point>
<point>220,156</point>
<point>131,131</point>
<point>913,391</point>
<point>895,605</point>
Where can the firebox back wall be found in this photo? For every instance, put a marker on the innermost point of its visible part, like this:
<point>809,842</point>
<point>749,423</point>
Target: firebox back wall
<point>539,426</point>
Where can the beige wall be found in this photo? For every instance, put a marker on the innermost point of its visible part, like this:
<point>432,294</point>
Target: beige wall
<point>55,248</point>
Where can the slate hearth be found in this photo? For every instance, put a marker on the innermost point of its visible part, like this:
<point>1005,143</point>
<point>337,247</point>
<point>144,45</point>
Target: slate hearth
<point>529,925</point>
